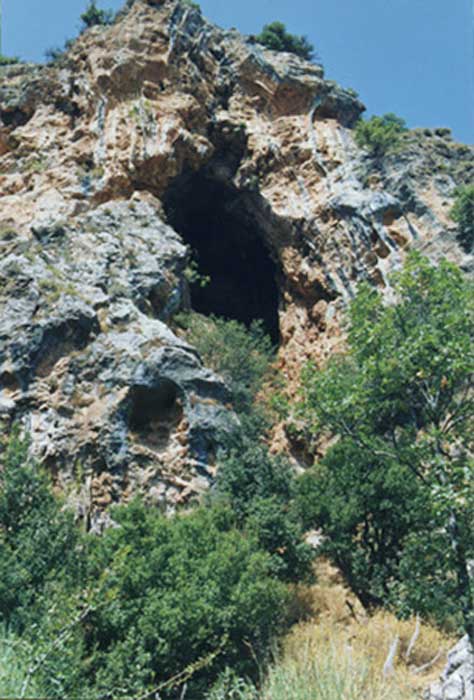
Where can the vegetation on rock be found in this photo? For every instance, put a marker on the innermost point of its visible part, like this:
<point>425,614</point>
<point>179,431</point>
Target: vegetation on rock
<point>463,214</point>
<point>93,16</point>
<point>8,60</point>
<point>275,36</point>
<point>153,599</point>
<point>241,356</point>
<point>380,135</point>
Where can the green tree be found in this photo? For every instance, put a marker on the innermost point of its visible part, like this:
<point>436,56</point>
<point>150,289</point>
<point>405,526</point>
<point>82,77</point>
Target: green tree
<point>380,135</point>
<point>274,36</point>
<point>401,402</point>
<point>93,16</point>
<point>463,214</point>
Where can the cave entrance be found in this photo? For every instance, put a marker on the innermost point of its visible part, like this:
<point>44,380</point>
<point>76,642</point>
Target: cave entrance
<point>155,412</point>
<point>213,218</point>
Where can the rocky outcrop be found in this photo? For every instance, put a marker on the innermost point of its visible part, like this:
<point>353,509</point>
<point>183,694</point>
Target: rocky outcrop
<point>114,402</point>
<point>457,681</point>
<point>100,150</point>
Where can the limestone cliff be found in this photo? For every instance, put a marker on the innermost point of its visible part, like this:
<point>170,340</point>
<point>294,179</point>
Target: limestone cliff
<point>163,121</point>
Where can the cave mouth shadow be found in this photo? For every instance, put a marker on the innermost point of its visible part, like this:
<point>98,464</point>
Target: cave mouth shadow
<point>214,220</point>
<point>155,412</point>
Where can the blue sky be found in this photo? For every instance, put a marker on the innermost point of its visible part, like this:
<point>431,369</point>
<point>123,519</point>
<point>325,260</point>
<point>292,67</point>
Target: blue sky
<point>411,57</point>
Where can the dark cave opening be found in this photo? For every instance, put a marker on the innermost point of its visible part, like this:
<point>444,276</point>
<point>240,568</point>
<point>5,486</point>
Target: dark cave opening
<point>154,412</point>
<point>214,220</point>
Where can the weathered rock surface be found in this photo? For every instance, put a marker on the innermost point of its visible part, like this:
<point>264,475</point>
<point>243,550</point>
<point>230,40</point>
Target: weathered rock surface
<point>115,403</point>
<point>90,150</point>
<point>457,681</point>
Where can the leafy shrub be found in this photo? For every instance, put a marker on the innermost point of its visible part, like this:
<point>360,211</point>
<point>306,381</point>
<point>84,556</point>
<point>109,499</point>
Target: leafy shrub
<point>8,60</point>
<point>192,5</point>
<point>242,356</point>
<point>230,687</point>
<point>93,16</point>
<point>274,36</point>
<point>179,591</point>
<point>463,214</point>
<point>380,135</point>
<point>39,543</point>
<point>15,657</point>
<point>259,488</point>
<point>359,499</point>
<point>152,599</point>
<point>400,402</point>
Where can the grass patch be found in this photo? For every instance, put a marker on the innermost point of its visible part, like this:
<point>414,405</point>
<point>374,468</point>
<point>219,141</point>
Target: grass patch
<point>340,653</point>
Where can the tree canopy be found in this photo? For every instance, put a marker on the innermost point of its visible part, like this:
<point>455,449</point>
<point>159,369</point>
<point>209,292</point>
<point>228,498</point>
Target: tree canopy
<point>397,486</point>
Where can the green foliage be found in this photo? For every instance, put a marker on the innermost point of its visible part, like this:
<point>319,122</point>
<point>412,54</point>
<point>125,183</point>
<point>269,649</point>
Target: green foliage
<point>8,60</point>
<point>93,16</point>
<point>15,656</point>
<point>230,687</point>
<point>58,55</point>
<point>259,488</point>
<point>39,543</point>
<point>380,135</point>
<point>152,600</point>
<point>242,356</point>
<point>463,214</point>
<point>193,276</point>
<point>178,591</point>
<point>368,507</point>
<point>401,403</point>
<point>274,36</point>
<point>192,5</point>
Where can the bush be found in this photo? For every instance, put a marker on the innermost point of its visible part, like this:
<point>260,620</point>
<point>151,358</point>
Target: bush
<point>463,214</point>
<point>152,599</point>
<point>259,488</point>
<point>57,55</point>
<point>367,508</point>
<point>274,36</point>
<point>8,60</point>
<point>380,135</point>
<point>40,546</point>
<point>93,16</point>
<point>242,356</point>
<point>179,592</point>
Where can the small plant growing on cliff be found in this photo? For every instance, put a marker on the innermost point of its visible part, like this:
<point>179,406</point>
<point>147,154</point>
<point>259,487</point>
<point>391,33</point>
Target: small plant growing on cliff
<point>93,16</point>
<point>463,214</point>
<point>8,60</point>
<point>274,36</point>
<point>380,135</point>
<point>242,356</point>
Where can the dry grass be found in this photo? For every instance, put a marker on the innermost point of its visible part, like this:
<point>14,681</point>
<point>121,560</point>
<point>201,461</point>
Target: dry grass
<point>340,652</point>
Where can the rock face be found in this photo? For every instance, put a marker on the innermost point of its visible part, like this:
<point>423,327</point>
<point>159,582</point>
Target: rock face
<point>114,401</point>
<point>457,681</point>
<point>154,121</point>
